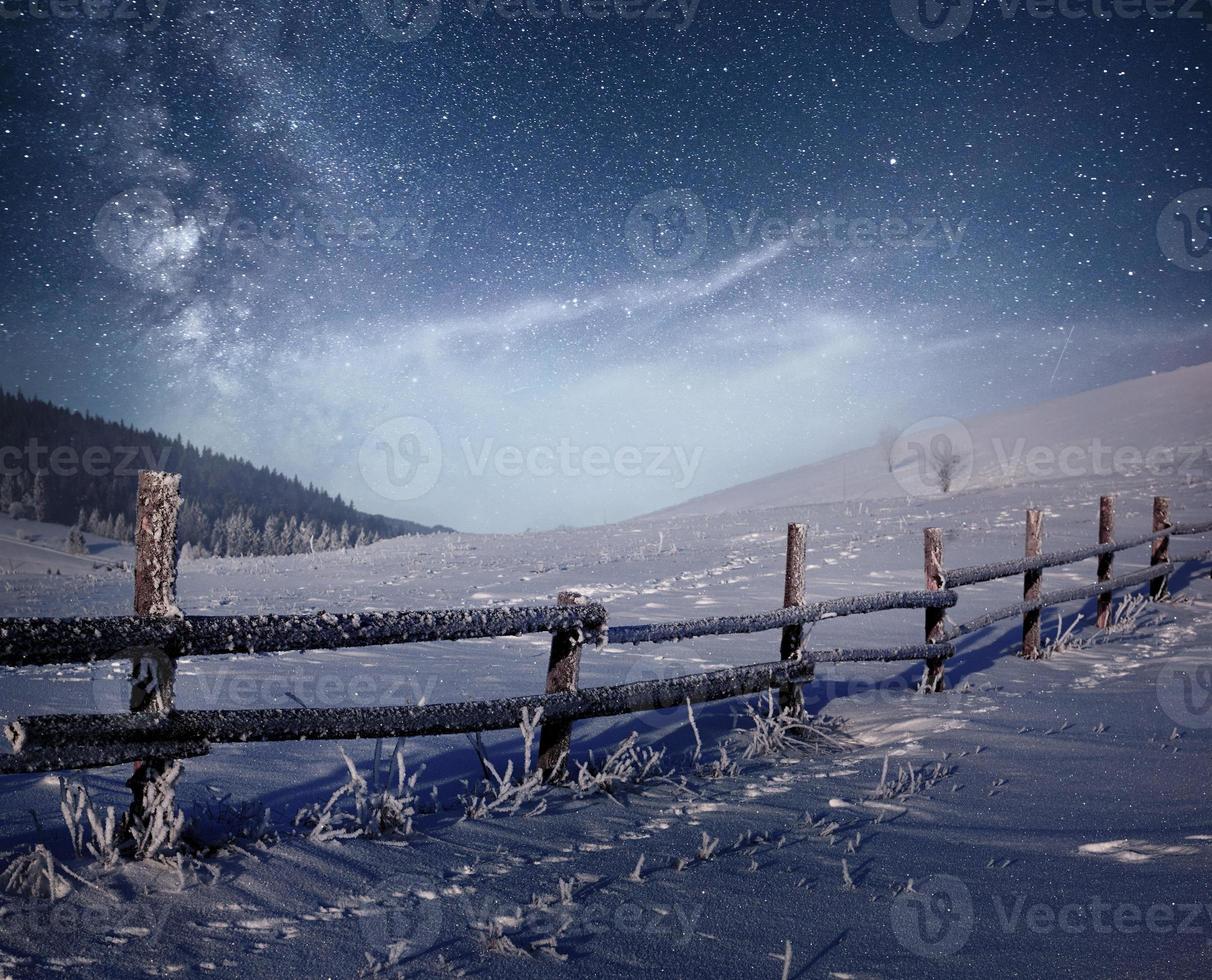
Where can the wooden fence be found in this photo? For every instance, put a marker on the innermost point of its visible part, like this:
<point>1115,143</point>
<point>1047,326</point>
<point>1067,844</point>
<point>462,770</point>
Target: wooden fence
<point>153,639</point>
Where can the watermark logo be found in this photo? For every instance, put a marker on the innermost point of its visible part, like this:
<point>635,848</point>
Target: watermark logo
<point>936,455</point>
<point>680,12</point>
<point>1017,459</point>
<point>401,459</point>
<point>410,236</point>
<point>1185,695</point>
<point>933,21</point>
<point>1100,917</point>
<point>567,459</point>
<point>136,230</point>
<point>401,20</point>
<point>933,456</point>
<point>112,682</point>
<point>935,920</point>
<point>920,232</point>
<point>404,913</point>
<point>145,13</point>
<point>280,683</point>
<point>411,20</point>
<point>1184,230</point>
<point>68,461</point>
<point>667,230</point>
<point>142,233</point>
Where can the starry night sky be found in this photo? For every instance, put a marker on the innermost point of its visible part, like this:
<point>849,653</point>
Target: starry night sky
<point>495,285</point>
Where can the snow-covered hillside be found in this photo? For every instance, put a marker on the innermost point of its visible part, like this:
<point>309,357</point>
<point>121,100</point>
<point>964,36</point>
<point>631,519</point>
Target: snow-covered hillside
<point>1049,818</point>
<point>1143,429</point>
<point>37,547</point>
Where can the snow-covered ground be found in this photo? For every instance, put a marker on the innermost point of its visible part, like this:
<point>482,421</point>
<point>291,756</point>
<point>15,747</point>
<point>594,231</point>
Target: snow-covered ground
<point>37,548</point>
<point>1058,822</point>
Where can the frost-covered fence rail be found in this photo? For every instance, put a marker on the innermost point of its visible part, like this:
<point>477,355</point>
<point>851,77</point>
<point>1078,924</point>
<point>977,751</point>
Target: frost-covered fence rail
<point>1031,568</point>
<point>31,642</point>
<point>52,737</point>
<point>779,618</point>
<point>974,574</point>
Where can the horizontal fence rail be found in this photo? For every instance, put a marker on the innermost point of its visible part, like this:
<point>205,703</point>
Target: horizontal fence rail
<point>61,758</point>
<point>1061,596</point>
<point>57,737</point>
<point>30,642</point>
<point>973,574</point>
<point>787,616</point>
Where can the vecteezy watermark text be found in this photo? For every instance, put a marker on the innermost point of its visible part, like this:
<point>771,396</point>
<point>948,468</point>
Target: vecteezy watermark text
<point>937,919</point>
<point>680,13</point>
<point>938,454</point>
<point>1098,459</point>
<point>668,230</point>
<point>410,20</point>
<point>833,231</point>
<point>146,13</point>
<point>141,226</point>
<point>402,458</point>
<point>36,457</point>
<point>389,232</point>
<point>564,458</point>
<point>934,21</point>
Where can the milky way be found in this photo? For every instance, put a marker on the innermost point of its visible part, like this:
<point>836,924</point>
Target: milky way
<point>705,241</point>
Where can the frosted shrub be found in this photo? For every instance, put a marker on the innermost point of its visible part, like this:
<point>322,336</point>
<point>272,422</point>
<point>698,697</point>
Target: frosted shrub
<point>80,815</point>
<point>628,764</point>
<point>1125,618</point>
<point>775,732</point>
<point>524,941</point>
<point>498,792</point>
<point>163,829</point>
<point>217,825</point>
<point>908,780</point>
<point>34,876</point>
<point>494,940</point>
<point>721,767</point>
<point>1065,641</point>
<point>375,812</point>
<point>158,830</point>
<point>1127,614</point>
<point>393,960</point>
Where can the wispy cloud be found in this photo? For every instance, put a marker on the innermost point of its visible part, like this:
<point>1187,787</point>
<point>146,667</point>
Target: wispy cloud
<point>541,314</point>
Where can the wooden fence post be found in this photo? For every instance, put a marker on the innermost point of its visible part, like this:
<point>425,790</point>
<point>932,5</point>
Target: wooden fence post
<point>153,669</point>
<point>563,671</point>
<point>791,696</point>
<point>933,681</point>
<point>1106,535</point>
<point>1161,546</point>
<point>1033,584</point>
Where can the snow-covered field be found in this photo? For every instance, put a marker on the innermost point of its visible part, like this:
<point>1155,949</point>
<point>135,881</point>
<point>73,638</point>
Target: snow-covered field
<point>1057,821</point>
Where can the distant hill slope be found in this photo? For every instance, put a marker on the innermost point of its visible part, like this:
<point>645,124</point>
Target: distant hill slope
<point>1139,426</point>
<point>61,466</point>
